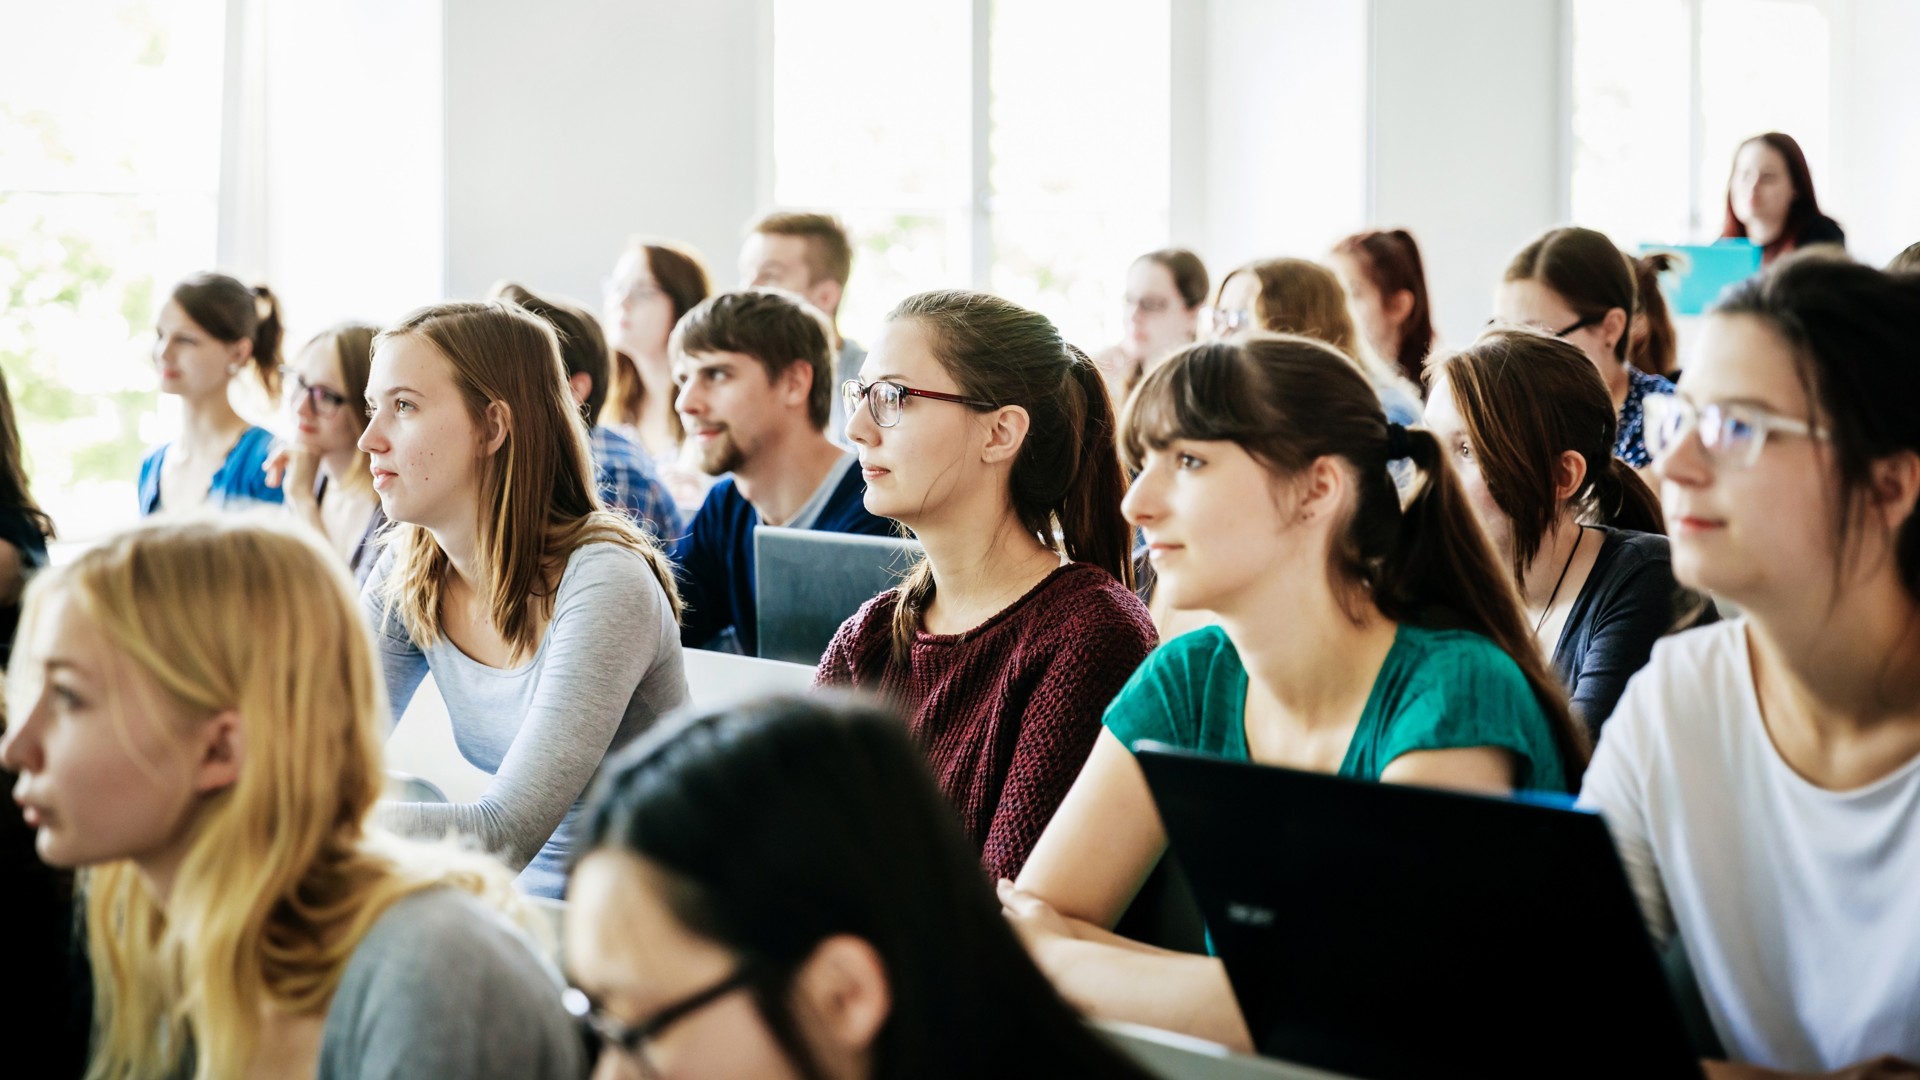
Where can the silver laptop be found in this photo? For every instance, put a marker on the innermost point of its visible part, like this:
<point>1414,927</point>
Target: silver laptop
<point>807,583</point>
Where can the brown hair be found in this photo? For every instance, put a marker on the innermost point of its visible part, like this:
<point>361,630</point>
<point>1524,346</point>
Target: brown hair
<point>232,312</point>
<point>1652,345</point>
<point>1855,336</point>
<point>1802,212</point>
<point>1391,261</point>
<point>538,500</point>
<point>773,326</point>
<point>1298,296</point>
<point>1066,478</point>
<point>352,344</point>
<point>1288,401</point>
<point>829,253</point>
<point>1188,272</point>
<point>583,347</point>
<point>1587,272</point>
<point>679,272</point>
<point>15,489</point>
<point>1526,398</point>
<point>1906,262</point>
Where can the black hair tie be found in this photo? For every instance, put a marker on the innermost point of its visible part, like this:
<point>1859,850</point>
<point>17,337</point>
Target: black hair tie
<point>1399,445</point>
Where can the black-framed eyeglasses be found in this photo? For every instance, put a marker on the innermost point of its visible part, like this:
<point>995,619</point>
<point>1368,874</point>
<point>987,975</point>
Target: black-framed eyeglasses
<point>885,399</point>
<point>600,1030</point>
<point>1590,320</point>
<point>325,402</point>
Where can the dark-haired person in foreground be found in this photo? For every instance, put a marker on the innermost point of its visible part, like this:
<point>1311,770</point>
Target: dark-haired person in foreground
<point>779,891</point>
<point>1265,497</point>
<point>1761,777</point>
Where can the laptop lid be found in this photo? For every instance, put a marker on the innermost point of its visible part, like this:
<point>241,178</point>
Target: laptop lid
<point>807,582</point>
<point>1385,930</point>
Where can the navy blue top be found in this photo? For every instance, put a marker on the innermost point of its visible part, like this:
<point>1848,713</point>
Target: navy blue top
<point>240,480</point>
<point>714,561</point>
<point>24,534</point>
<point>1630,444</point>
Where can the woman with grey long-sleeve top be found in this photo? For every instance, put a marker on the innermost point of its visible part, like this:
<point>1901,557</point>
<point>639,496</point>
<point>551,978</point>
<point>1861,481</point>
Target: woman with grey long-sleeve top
<point>550,625</point>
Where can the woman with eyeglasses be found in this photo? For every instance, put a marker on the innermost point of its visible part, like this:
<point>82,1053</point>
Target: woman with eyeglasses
<point>1528,426</point>
<point>323,472</point>
<point>1761,777</point>
<point>1166,291</point>
<point>777,891</point>
<point>198,726</point>
<point>991,438</point>
<point>210,328</point>
<point>1574,284</point>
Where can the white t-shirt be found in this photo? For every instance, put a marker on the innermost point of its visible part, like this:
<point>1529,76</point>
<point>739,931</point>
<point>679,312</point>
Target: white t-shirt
<point>1799,907</point>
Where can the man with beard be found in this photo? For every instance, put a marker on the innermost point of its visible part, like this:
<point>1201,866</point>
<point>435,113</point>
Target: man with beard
<point>755,370</point>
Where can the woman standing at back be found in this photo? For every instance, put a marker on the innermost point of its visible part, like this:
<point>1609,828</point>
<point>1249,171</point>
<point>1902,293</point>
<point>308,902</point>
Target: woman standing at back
<point>209,330</point>
<point>1770,199</point>
<point>548,622</point>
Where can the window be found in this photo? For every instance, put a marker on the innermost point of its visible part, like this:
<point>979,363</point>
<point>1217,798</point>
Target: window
<point>1663,91</point>
<point>109,176</point>
<point>1020,148</point>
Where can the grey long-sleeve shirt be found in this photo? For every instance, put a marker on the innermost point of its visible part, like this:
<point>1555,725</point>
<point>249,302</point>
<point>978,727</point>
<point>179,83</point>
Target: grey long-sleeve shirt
<point>608,665</point>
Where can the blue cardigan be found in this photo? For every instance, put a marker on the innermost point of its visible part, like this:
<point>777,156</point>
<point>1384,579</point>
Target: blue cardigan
<point>238,481</point>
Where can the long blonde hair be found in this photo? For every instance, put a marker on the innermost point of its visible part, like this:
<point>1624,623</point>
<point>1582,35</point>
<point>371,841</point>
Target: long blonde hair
<point>538,499</point>
<point>282,877</point>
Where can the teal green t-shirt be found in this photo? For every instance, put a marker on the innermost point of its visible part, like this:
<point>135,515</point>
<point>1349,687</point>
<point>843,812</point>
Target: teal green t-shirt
<point>1437,690</point>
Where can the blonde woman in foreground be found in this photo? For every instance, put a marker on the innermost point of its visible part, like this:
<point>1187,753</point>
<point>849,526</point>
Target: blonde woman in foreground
<point>197,717</point>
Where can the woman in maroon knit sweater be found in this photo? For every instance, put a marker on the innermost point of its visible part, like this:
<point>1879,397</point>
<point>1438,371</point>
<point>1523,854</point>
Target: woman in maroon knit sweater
<point>990,437</point>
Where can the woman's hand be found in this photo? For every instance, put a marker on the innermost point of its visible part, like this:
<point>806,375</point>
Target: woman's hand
<point>1035,920</point>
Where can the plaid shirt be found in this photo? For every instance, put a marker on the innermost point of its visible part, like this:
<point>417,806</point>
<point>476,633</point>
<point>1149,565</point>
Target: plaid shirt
<point>628,484</point>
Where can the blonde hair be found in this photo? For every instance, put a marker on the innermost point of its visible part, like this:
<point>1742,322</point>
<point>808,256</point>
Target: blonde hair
<point>283,877</point>
<point>538,497</point>
<point>1298,296</point>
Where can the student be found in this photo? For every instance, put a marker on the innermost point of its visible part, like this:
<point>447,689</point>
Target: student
<point>24,527</point>
<point>1770,199</point>
<point>1265,498</point>
<point>1653,346</point>
<point>1295,296</point>
<point>1762,776</point>
<point>200,733</point>
<point>1166,291</point>
<point>778,892</point>
<point>546,620</point>
<point>654,284</point>
<point>808,254</point>
<point>209,329</point>
<point>1528,425</point>
<point>993,440</point>
<point>1574,284</point>
<point>323,472</point>
<point>628,482</point>
<point>1387,286</point>
<point>753,369</point>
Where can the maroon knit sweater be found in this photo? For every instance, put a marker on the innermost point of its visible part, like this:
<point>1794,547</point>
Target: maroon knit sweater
<point>1009,710</point>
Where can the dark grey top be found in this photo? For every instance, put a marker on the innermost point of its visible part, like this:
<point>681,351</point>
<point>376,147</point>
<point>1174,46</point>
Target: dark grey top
<point>1629,601</point>
<point>444,986</point>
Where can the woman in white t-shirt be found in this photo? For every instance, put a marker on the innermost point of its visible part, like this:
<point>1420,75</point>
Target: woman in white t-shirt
<point>1762,776</point>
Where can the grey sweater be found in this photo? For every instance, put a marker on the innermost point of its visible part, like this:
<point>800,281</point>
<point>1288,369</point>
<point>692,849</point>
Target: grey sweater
<point>443,986</point>
<point>607,667</point>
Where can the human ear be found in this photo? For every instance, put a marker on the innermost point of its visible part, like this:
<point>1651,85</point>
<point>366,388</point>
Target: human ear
<point>221,752</point>
<point>1568,474</point>
<point>499,422</point>
<point>1321,487</point>
<point>1006,433</point>
<point>843,988</point>
<point>796,383</point>
<point>581,384</point>
<point>1400,305</point>
<point>1894,486</point>
<point>1611,327</point>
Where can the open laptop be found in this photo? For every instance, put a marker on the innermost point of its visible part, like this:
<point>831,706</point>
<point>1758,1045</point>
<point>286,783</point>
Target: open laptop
<point>1704,271</point>
<point>1384,930</point>
<point>808,582</point>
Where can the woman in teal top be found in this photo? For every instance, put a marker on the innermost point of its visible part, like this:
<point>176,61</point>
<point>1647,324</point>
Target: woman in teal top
<point>1265,499</point>
<point>210,329</point>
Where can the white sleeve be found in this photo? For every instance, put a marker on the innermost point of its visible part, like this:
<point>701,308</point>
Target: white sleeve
<point>1616,786</point>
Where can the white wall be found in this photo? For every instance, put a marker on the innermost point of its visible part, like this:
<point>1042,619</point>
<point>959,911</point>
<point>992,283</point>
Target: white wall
<point>1270,121</point>
<point>574,123</point>
<point>1876,129</point>
<point>1467,139</point>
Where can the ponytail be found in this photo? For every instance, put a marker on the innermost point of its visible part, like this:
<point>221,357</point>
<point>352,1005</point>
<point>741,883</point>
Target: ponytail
<point>1440,568</point>
<point>1624,501</point>
<point>266,339</point>
<point>1066,480</point>
<point>1652,345</point>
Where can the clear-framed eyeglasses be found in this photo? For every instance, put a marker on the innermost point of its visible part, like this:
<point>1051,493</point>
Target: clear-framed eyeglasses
<point>1219,321</point>
<point>1733,433</point>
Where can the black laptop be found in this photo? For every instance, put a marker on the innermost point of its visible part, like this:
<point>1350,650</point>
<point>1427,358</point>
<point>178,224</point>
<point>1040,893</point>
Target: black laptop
<point>1384,930</point>
<point>808,582</point>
